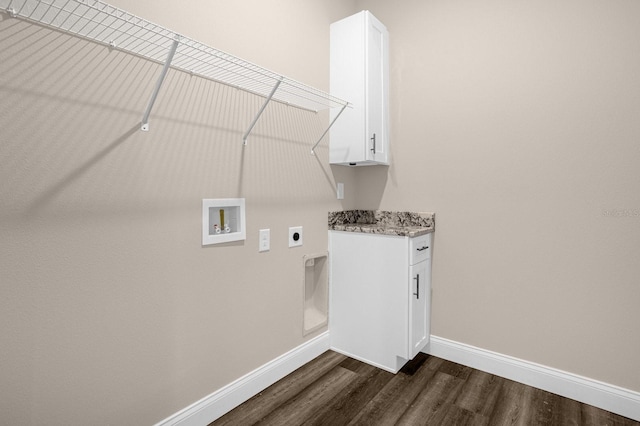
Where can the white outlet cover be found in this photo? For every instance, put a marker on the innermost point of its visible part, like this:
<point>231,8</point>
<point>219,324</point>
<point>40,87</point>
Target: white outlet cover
<point>265,240</point>
<point>293,242</point>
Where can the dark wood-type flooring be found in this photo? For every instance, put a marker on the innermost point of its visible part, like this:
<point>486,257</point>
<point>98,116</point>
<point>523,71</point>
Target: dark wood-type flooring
<point>336,390</point>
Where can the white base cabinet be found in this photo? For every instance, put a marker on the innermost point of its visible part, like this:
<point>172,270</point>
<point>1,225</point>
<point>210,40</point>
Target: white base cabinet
<point>379,297</point>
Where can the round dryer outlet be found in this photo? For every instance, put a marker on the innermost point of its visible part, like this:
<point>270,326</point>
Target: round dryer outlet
<point>295,236</point>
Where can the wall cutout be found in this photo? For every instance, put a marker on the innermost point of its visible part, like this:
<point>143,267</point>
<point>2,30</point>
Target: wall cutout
<point>316,307</point>
<point>223,220</point>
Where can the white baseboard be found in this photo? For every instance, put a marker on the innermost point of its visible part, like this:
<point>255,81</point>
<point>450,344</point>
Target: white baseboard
<point>227,398</point>
<point>602,395</point>
<point>608,397</point>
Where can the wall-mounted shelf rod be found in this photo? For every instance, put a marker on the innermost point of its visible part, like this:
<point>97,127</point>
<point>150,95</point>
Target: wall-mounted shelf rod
<point>100,22</point>
<point>156,89</point>
<point>255,120</point>
<point>313,152</point>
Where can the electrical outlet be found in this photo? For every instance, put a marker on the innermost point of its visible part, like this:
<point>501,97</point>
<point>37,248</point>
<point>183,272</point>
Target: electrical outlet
<point>340,191</point>
<point>265,240</point>
<point>295,236</point>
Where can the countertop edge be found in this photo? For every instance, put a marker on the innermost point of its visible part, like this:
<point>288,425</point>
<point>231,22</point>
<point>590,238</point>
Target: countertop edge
<point>388,232</point>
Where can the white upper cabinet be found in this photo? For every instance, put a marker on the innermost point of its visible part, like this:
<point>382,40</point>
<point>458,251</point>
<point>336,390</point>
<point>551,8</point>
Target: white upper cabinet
<point>359,73</point>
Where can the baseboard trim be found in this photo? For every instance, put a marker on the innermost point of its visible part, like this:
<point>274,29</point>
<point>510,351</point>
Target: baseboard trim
<point>227,398</point>
<point>599,394</point>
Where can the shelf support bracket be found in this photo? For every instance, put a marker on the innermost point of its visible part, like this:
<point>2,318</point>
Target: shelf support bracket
<point>156,89</point>
<point>313,152</point>
<point>255,120</point>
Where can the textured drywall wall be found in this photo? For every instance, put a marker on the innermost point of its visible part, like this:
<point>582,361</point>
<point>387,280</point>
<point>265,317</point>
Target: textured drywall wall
<point>518,123</point>
<point>112,312</point>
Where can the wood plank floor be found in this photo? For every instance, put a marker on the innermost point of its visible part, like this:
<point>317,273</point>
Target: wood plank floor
<point>336,390</point>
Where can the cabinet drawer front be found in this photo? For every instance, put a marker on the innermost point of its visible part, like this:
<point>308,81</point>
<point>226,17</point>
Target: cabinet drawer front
<point>420,248</point>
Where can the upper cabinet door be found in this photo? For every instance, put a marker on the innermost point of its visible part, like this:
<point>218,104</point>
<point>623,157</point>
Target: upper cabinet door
<point>359,73</point>
<point>377,83</point>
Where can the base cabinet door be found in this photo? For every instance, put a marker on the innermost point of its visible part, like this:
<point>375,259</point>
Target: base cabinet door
<point>419,306</point>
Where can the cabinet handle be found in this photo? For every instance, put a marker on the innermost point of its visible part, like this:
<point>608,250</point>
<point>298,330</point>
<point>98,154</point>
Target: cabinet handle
<point>373,139</point>
<point>422,248</point>
<point>417,293</point>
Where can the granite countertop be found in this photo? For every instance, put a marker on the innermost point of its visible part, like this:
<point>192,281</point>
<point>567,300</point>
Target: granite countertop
<point>403,224</point>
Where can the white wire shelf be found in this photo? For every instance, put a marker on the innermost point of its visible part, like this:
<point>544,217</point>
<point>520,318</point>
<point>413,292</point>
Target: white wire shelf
<point>100,22</point>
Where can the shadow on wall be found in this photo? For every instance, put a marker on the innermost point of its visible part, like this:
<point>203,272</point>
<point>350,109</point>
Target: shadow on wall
<point>371,182</point>
<point>50,193</point>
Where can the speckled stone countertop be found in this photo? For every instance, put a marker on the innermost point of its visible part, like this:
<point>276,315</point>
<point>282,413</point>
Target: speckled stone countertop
<point>403,224</point>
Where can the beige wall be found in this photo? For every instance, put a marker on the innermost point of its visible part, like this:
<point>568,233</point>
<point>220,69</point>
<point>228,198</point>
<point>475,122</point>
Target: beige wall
<point>518,123</point>
<point>112,312</point>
